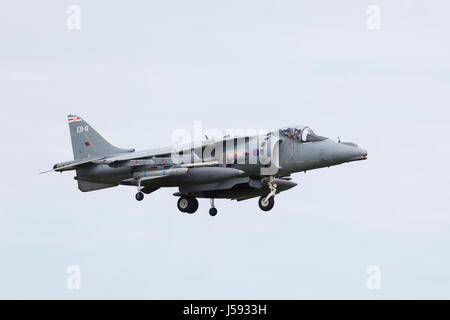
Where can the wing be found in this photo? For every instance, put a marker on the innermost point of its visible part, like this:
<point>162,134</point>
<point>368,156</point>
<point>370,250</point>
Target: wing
<point>147,157</point>
<point>159,152</point>
<point>155,157</point>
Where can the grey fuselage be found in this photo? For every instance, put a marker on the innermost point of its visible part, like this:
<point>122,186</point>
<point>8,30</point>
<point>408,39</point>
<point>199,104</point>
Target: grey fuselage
<point>236,177</point>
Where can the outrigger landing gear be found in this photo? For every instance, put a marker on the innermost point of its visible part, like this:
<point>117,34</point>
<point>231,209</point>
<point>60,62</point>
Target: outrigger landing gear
<point>213,210</point>
<point>187,204</point>
<point>267,202</point>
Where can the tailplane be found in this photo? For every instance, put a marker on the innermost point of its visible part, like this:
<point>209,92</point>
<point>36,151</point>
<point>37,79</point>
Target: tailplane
<point>88,143</point>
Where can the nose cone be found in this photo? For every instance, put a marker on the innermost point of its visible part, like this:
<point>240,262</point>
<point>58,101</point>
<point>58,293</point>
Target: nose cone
<point>346,152</point>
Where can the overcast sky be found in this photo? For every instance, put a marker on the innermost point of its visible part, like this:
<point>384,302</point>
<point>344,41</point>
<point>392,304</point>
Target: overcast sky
<point>138,70</point>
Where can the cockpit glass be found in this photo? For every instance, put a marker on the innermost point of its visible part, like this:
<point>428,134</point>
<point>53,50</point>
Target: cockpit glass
<point>301,134</point>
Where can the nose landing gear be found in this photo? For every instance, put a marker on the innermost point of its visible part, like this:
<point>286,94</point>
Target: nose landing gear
<point>267,202</point>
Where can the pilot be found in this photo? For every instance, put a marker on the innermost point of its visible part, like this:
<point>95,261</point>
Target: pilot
<point>298,134</point>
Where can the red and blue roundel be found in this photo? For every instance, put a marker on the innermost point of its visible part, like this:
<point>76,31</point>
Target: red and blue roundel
<point>87,143</point>
<point>256,152</point>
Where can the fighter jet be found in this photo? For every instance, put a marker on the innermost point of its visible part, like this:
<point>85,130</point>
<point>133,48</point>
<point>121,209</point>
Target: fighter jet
<point>236,167</point>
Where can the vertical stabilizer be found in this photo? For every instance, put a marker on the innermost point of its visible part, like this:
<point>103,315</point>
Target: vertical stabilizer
<point>88,143</point>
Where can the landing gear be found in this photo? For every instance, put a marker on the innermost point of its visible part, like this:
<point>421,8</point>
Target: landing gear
<point>139,196</point>
<point>213,210</point>
<point>187,204</point>
<point>267,202</point>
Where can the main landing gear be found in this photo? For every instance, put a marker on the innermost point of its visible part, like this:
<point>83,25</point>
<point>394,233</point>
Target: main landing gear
<point>187,204</point>
<point>213,210</point>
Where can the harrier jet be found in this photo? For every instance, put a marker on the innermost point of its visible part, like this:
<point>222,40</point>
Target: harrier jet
<point>237,167</point>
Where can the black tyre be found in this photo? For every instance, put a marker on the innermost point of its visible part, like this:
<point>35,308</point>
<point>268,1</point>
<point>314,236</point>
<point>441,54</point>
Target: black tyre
<point>139,196</point>
<point>187,204</point>
<point>193,205</point>
<point>212,212</point>
<point>266,205</point>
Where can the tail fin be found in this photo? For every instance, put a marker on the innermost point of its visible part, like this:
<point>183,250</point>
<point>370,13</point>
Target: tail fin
<point>88,143</point>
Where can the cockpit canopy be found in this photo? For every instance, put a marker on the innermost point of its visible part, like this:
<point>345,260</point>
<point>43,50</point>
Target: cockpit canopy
<point>301,134</point>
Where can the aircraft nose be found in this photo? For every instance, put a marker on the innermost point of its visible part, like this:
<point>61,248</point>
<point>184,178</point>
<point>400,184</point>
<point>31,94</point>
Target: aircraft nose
<point>346,152</point>
<point>364,153</point>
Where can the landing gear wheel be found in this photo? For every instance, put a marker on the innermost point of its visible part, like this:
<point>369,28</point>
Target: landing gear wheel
<point>183,204</point>
<point>139,196</point>
<point>266,204</point>
<point>193,206</point>
<point>187,204</point>
<point>212,212</point>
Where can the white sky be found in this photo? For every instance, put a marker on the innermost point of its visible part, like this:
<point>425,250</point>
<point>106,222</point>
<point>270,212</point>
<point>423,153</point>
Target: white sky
<point>139,71</point>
